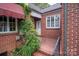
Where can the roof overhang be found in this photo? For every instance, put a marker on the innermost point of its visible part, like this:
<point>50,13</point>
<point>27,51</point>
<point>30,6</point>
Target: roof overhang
<point>35,14</point>
<point>11,9</point>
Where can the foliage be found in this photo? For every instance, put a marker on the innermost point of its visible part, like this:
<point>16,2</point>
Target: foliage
<point>25,8</point>
<point>32,42</point>
<point>42,5</point>
<point>30,36</point>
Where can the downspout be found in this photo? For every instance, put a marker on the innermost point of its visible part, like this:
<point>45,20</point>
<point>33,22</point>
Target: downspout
<point>65,29</point>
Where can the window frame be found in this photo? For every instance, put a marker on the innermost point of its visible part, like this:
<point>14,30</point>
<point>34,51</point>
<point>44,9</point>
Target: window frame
<point>54,21</point>
<point>8,27</point>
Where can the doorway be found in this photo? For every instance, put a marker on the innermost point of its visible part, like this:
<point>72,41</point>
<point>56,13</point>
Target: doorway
<point>38,27</point>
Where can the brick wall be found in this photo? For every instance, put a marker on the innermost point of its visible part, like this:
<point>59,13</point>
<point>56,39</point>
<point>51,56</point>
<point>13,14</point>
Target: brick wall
<point>72,29</point>
<point>7,42</point>
<point>49,33</point>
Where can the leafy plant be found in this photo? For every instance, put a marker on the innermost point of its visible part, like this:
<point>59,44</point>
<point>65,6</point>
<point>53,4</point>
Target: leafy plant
<point>42,5</point>
<point>30,36</point>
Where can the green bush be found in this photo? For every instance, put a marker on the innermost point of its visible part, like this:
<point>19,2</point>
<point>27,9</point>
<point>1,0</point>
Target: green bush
<point>30,35</point>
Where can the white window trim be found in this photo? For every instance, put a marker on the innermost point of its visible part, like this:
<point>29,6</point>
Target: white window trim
<point>8,31</point>
<point>54,22</point>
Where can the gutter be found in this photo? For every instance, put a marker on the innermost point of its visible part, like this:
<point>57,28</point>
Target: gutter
<point>65,29</point>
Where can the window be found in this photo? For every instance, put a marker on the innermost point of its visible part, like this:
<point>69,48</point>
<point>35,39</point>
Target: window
<point>57,21</point>
<point>8,24</point>
<point>12,24</point>
<point>53,21</point>
<point>48,21</point>
<point>3,24</point>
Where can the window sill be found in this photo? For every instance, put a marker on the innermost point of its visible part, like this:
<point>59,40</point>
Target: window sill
<point>7,33</point>
<point>53,28</point>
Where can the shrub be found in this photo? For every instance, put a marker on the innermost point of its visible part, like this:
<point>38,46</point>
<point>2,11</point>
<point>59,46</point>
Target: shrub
<point>30,36</point>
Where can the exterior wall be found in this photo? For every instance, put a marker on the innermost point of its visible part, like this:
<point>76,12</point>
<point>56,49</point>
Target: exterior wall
<point>7,42</point>
<point>72,29</point>
<point>49,33</point>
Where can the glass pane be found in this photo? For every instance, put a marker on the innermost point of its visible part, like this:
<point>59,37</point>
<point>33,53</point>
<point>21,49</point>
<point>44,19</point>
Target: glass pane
<point>12,24</point>
<point>1,18</point>
<point>5,27</point>
<point>11,19</point>
<point>57,21</point>
<point>1,27</point>
<point>3,24</point>
<point>52,21</point>
<point>48,22</point>
<point>38,24</point>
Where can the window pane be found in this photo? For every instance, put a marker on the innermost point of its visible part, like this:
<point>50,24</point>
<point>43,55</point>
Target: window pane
<point>38,25</point>
<point>3,24</point>
<point>12,24</point>
<point>56,21</point>
<point>48,21</point>
<point>52,21</point>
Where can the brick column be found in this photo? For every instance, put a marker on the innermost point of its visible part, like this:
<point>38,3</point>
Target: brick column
<point>62,31</point>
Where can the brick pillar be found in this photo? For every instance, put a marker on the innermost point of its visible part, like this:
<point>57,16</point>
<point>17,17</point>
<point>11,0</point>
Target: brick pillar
<point>72,29</point>
<point>62,31</point>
